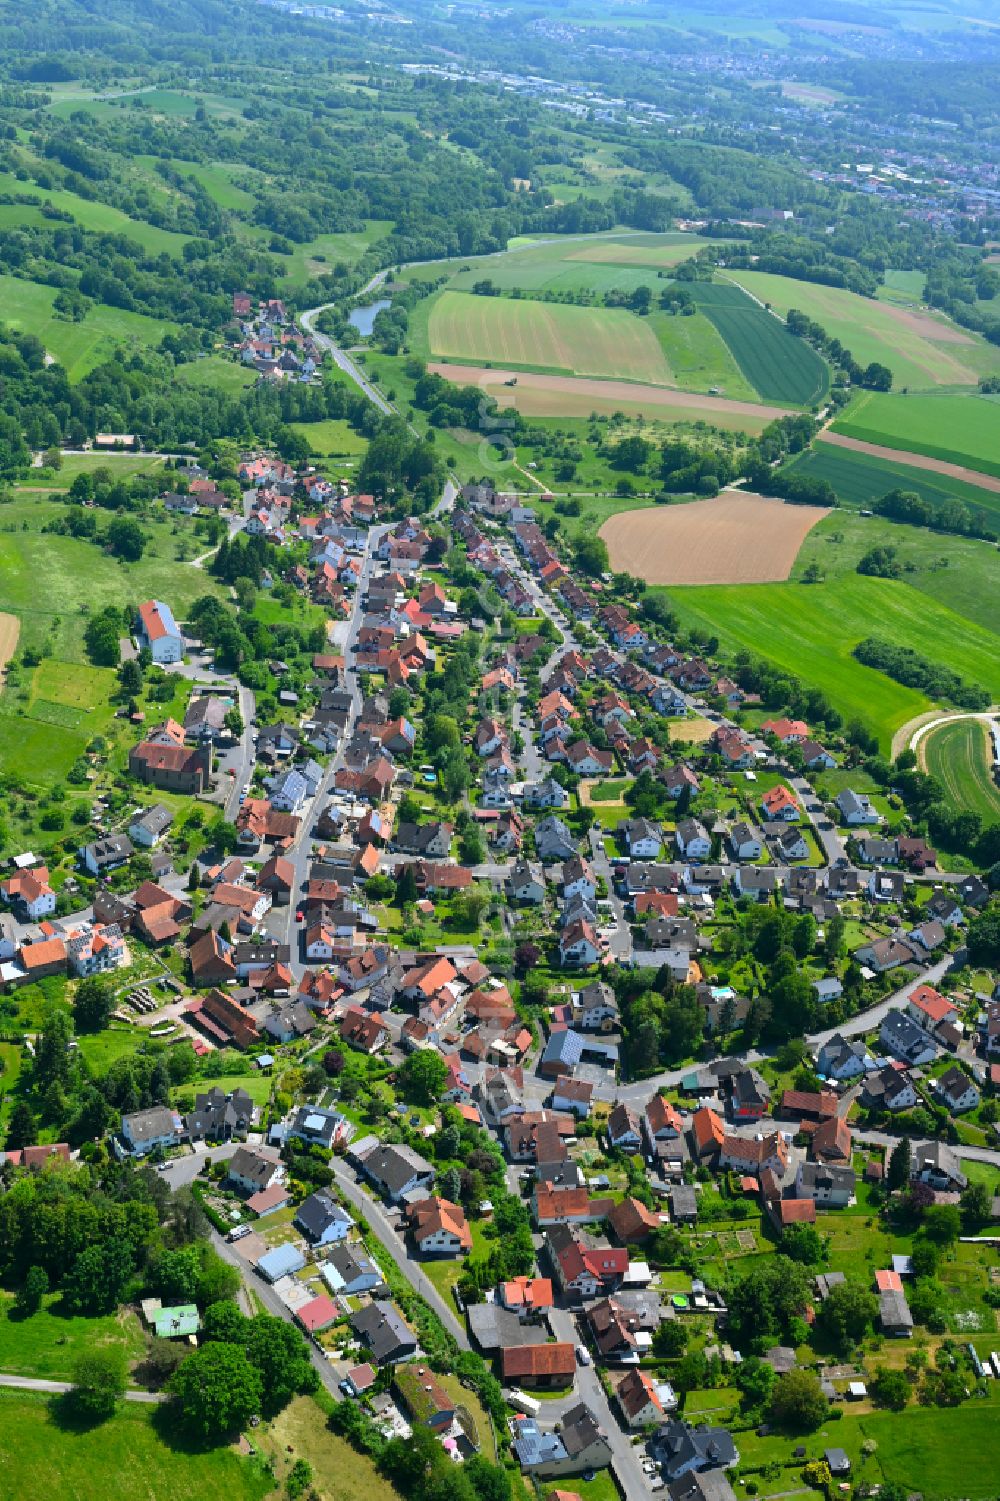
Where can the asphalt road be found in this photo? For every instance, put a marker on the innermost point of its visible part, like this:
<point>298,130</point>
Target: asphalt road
<point>180,1171</point>
<point>281,920</point>
<point>624,1462</point>
<point>377,1218</point>
<point>59,1388</point>
<point>342,360</point>
<point>242,758</point>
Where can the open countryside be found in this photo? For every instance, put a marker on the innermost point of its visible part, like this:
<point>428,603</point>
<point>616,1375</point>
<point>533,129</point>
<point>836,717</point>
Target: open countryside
<point>499,1002</point>
<point>607,342</point>
<point>736,538</point>
<point>860,476</point>
<point>540,395</point>
<point>813,630</point>
<point>956,430</point>
<point>922,350</point>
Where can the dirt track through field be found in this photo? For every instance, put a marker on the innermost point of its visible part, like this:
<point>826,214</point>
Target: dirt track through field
<point>10,629</point>
<point>737,538</point>
<point>570,395</point>
<point>915,460</point>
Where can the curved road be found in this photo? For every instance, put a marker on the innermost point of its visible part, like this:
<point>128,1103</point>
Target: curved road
<point>985,716</point>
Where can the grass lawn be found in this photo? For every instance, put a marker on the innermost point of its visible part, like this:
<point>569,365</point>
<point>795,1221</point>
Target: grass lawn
<point>960,755</point>
<point>812,630</point>
<point>219,373</point>
<point>340,1473</point>
<point>468,1399</point>
<point>101,1049</point>
<point>27,305</point>
<point>921,353</point>
<point>333,438</point>
<point>126,1457</point>
<point>48,1343</point>
<point>601,1488</point>
<point>122,465</point>
<point>963,429</point>
<point>938,1451</point>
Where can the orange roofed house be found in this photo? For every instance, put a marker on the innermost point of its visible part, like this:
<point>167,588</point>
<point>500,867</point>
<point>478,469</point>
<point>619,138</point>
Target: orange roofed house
<point>439,1228</point>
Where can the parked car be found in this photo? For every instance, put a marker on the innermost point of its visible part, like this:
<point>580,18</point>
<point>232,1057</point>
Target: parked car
<point>583,1355</point>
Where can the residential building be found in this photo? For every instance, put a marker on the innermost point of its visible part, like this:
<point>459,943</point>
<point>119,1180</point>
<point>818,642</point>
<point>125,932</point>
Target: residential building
<point>146,1131</point>
<point>157,630</point>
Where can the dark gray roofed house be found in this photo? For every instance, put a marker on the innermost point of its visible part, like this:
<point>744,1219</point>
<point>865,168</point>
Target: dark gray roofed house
<point>702,1485</point>
<point>381,1329</point>
<point>681,1449</point>
<point>322,1219</point>
<point>396,1169</point>
<point>148,827</point>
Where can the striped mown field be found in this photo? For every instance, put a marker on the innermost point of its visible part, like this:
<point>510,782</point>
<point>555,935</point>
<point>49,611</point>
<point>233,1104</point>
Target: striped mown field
<point>609,342</point>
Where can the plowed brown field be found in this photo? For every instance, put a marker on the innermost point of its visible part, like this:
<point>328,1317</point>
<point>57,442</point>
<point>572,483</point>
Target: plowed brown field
<point>737,538</point>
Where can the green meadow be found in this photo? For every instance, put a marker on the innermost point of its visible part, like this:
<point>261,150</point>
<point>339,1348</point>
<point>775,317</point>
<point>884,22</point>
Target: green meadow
<point>960,755</point>
<point>959,572</point>
<point>961,429</point>
<point>102,218</point>
<point>811,630</point>
<point>45,1454</point>
<point>77,346</point>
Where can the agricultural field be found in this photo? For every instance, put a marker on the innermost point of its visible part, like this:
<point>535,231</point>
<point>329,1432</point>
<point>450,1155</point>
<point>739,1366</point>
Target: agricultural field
<point>959,572</point>
<point>811,630</point>
<point>79,346</point>
<point>861,478</point>
<point>960,755</point>
<point>47,1344</point>
<point>779,366</point>
<point>543,395</point>
<point>608,342</point>
<point>576,263</point>
<point>699,357</point>
<point>922,350</point>
<point>46,1454</point>
<point>958,429</point>
<point>736,538</point>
